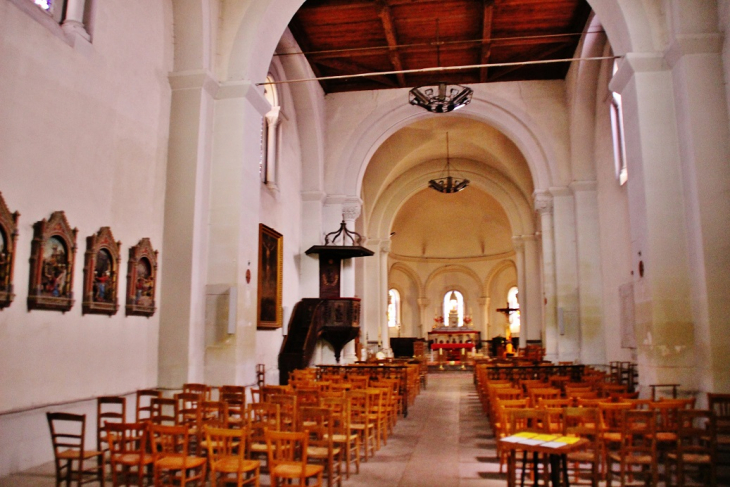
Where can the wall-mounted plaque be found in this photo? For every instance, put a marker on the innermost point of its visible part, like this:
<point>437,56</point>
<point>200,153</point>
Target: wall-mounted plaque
<point>101,271</point>
<point>141,279</point>
<point>8,237</point>
<point>52,256</point>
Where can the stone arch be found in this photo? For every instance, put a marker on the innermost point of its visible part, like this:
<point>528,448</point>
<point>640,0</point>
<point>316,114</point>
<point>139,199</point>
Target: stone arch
<point>410,273</point>
<point>515,204</point>
<point>496,271</point>
<point>450,268</point>
<point>534,144</point>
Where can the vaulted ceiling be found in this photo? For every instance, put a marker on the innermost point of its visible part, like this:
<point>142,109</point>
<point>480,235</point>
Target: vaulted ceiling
<point>352,37</point>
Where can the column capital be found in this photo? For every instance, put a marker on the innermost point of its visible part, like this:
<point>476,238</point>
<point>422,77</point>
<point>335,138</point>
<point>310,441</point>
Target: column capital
<point>351,211</point>
<point>543,202</point>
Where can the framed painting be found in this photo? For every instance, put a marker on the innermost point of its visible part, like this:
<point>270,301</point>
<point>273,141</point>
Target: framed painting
<point>52,257</point>
<point>8,238</point>
<point>141,279</point>
<point>101,271</point>
<point>271,251</point>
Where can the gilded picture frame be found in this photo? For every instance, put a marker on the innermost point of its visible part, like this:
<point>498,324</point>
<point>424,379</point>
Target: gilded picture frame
<point>8,240</point>
<point>141,279</point>
<point>52,258</point>
<point>271,252</point>
<point>101,272</point>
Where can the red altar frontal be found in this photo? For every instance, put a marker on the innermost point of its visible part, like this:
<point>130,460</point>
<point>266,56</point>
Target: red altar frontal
<point>454,344</point>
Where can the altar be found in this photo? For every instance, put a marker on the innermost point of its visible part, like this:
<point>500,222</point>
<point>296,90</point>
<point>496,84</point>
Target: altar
<point>454,343</point>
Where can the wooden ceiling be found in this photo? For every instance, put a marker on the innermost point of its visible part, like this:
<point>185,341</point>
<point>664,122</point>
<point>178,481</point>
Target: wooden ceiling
<point>346,37</point>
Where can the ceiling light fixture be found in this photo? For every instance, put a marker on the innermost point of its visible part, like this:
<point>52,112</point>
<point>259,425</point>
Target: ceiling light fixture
<point>441,97</point>
<point>448,184</point>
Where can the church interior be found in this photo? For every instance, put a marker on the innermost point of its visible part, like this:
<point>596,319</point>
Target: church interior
<point>172,173</point>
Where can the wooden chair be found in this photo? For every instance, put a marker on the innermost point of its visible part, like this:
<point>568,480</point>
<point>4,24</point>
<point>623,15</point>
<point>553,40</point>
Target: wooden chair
<point>188,414</point>
<point>143,404</point>
<point>307,396</point>
<point>163,411</point>
<point>261,417</point>
<point>266,391</point>
<point>529,420</point>
<point>611,426</point>
<point>377,415</point>
<point>236,404</point>
<point>342,433</point>
<point>584,423</point>
<point>360,421</point>
<point>173,462</point>
<point>696,447</point>
<point>288,408</point>
<point>72,460</point>
<point>226,456</point>
<point>720,405</point>
<point>637,455</point>
<point>321,447</point>
<point>109,409</point>
<point>536,395</point>
<point>130,452</point>
<point>501,426</point>
<point>287,454</point>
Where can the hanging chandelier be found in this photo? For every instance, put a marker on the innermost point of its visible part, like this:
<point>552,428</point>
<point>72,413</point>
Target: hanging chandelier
<point>441,97</point>
<point>447,183</point>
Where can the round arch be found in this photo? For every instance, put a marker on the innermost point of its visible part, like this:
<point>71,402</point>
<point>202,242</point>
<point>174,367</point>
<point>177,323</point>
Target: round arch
<point>410,273</point>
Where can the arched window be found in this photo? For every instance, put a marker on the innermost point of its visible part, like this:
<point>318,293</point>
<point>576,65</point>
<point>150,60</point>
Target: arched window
<point>514,317</point>
<point>393,308</point>
<point>270,135</point>
<point>617,129</point>
<point>73,15</point>
<point>453,308</point>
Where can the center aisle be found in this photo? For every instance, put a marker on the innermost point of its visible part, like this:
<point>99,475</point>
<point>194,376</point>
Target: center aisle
<point>445,441</point>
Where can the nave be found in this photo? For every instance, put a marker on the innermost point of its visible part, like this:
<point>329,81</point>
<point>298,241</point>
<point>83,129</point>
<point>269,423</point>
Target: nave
<point>445,441</point>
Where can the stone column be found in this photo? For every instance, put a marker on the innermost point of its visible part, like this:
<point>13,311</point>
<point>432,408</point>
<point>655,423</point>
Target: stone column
<point>531,303</point>
<point>696,59</point>
<point>273,117</point>
<point>425,323</point>
<point>519,245</point>
<point>664,327</point>
<point>350,213</point>
<point>383,253</point>
<point>544,207</point>
<point>73,25</point>
<point>484,302</point>
<point>592,346</point>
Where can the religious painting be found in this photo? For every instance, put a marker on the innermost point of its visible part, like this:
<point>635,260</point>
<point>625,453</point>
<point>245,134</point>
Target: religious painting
<point>271,249</point>
<point>52,257</point>
<point>101,271</point>
<point>141,279</point>
<point>8,237</point>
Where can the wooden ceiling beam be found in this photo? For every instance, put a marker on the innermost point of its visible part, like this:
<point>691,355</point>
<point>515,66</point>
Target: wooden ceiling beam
<point>350,67</point>
<point>487,19</point>
<point>542,55</point>
<point>305,45</point>
<point>386,17</point>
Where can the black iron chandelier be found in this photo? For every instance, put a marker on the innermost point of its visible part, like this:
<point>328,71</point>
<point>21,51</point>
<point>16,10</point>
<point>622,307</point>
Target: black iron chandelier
<point>447,183</point>
<point>440,97</point>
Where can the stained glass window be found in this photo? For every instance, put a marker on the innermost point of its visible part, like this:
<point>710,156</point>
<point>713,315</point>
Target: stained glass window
<point>453,307</point>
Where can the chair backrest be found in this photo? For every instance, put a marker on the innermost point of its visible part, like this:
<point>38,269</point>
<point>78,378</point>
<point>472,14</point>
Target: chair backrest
<point>288,407</point>
<point>229,389</point>
<point>720,405</point>
<point>127,438</point>
<point>527,420</point>
<point>286,447</point>
<point>307,396</point>
<point>545,393</point>
<point>318,422</point>
<point>187,408</point>
<point>341,416</point>
<point>195,388</point>
<point>261,417</point>
<point>554,403</point>
<point>638,433</point>
<point>612,415</point>
<point>109,409</point>
<point>696,433</point>
<point>266,391</point>
<point>225,442</point>
<point>143,405</point>
<point>214,413</point>
<point>163,411</point>
<point>170,441</point>
<point>359,406</point>
<point>67,432</point>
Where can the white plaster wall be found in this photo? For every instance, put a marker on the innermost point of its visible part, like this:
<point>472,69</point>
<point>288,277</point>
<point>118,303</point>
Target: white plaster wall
<point>84,131</point>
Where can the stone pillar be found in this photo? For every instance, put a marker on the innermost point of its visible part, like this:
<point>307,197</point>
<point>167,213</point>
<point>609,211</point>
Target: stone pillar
<point>531,303</point>
<point>273,117</point>
<point>383,253</point>
<point>73,24</point>
<point>484,302</point>
<point>519,246</point>
<point>370,324</point>
<point>544,207</point>
<point>592,346</point>
<point>425,322</point>
<point>664,328</point>
<point>696,60</point>
<point>350,213</point>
